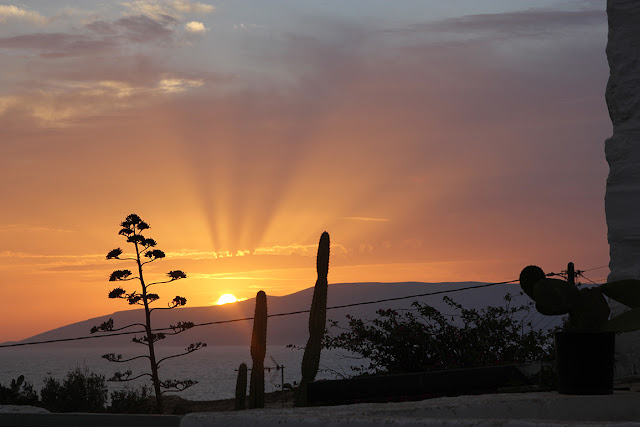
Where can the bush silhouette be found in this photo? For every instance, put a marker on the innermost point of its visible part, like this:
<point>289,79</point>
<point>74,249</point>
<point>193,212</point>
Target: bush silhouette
<point>19,392</point>
<point>81,391</point>
<point>130,401</point>
<point>424,339</point>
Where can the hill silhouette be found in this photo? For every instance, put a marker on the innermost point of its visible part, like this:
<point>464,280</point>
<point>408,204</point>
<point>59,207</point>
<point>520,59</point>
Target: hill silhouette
<point>282,330</point>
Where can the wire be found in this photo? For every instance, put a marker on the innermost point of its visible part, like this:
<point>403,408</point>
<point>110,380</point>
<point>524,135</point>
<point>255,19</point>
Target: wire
<point>596,268</point>
<point>582,275</point>
<point>290,313</point>
<point>220,322</point>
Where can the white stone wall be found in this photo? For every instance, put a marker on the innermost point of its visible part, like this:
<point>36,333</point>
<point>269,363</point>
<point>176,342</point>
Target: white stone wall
<point>622,200</point>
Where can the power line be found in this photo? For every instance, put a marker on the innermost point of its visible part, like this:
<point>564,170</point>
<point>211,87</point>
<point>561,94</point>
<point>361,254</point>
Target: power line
<point>583,276</point>
<point>290,313</point>
<point>596,268</point>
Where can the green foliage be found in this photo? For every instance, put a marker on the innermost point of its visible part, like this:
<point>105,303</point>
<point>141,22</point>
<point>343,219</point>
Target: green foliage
<point>131,401</point>
<point>81,391</point>
<point>258,352</point>
<point>424,339</point>
<point>19,392</point>
<point>587,308</point>
<point>317,321</point>
<point>241,387</point>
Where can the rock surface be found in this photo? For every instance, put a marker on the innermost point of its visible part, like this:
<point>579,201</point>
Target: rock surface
<point>19,409</point>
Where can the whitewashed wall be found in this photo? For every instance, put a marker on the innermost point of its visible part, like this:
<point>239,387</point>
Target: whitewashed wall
<point>622,200</point>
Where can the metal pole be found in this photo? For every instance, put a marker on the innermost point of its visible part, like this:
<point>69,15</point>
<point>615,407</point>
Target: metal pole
<point>282,383</point>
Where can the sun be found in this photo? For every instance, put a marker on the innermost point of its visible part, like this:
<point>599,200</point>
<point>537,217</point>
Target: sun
<point>226,299</point>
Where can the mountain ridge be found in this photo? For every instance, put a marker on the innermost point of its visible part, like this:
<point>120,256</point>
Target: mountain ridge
<point>281,330</point>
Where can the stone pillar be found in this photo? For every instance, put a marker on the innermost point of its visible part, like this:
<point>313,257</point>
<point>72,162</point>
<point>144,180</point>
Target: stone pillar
<point>622,199</point>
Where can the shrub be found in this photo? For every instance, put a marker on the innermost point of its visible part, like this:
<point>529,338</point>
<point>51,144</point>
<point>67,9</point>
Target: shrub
<point>424,339</point>
<point>131,401</point>
<point>19,392</point>
<point>81,391</point>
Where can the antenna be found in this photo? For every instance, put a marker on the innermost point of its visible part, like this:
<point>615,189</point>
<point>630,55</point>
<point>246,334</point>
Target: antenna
<point>281,369</point>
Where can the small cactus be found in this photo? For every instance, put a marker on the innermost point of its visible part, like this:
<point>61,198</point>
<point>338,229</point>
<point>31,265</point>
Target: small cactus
<point>15,384</point>
<point>587,308</point>
<point>241,387</point>
<point>258,352</point>
<point>317,322</point>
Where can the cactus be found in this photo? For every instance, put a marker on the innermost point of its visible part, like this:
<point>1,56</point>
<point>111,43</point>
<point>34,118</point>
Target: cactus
<point>258,352</point>
<point>317,322</point>
<point>587,308</point>
<point>15,384</point>
<point>241,387</point>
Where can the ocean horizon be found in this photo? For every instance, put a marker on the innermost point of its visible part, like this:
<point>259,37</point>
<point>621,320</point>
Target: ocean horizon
<point>214,367</point>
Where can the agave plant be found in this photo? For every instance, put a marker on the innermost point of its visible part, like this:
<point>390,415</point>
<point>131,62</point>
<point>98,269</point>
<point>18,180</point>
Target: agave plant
<point>588,308</point>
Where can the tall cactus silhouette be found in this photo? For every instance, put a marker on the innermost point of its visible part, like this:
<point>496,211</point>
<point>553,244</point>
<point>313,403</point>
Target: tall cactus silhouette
<point>317,322</point>
<point>258,352</point>
<point>241,387</point>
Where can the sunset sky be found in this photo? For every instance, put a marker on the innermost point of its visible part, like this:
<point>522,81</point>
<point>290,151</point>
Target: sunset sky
<point>434,140</point>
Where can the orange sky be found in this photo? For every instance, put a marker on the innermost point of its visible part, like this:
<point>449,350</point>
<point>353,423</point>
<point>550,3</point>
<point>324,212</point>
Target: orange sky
<point>459,144</point>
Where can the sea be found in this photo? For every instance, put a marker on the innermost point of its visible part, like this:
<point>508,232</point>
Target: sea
<point>214,367</point>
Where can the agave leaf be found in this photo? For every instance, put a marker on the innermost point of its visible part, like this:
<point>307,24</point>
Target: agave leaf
<point>529,276</point>
<point>591,310</point>
<point>626,292</point>
<point>554,297</point>
<point>628,321</point>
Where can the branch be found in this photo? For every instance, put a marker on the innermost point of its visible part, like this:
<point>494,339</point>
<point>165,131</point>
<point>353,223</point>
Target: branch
<point>192,347</point>
<point>125,376</point>
<point>177,385</point>
<point>178,301</point>
<point>152,254</point>
<point>145,339</point>
<point>158,283</point>
<point>114,253</point>
<point>120,275</point>
<point>173,275</point>
<point>117,358</point>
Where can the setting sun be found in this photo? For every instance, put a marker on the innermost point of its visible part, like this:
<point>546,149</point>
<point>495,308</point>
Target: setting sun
<point>226,299</point>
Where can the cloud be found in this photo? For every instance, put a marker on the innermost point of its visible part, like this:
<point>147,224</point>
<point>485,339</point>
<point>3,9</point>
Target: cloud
<point>531,22</point>
<point>54,45</point>
<point>176,85</point>
<point>295,249</point>
<point>21,228</point>
<point>246,27</point>
<point>60,103</point>
<point>13,254</point>
<point>97,37</point>
<point>14,12</point>
<point>362,218</point>
<point>6,102</point>
<point>186,6</point>
<point>195,27</point>
<point>173,8</point>
<point>142,29</point>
